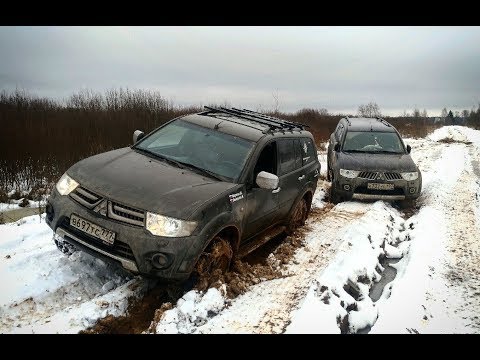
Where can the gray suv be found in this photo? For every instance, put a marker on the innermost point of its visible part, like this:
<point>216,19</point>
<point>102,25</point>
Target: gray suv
<point>367,160</point>
<point>191,196</point>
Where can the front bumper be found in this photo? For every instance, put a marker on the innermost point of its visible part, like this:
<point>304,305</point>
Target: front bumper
<point>135,248</point>
<point>357,189</point>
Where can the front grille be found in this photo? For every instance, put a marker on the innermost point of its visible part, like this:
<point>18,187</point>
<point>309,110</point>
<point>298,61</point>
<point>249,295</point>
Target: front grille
<point>119,247</point>
<point>368,175</point>
<point>85,197</point>
<point>114,210</point>
<point>364,190</point>
<point>125,213</point>
<point>392,176</point>
<point>372,175</point>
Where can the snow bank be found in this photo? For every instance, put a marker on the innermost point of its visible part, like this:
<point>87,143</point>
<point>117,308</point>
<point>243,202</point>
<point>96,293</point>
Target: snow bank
<point>338,300</point>
<point>45,291</point>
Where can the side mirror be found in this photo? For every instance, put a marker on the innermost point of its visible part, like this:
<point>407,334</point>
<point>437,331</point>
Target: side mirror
<point>409,149</point>
<point>337,147</point>
<point>137,135</point>
<point>267,180</point>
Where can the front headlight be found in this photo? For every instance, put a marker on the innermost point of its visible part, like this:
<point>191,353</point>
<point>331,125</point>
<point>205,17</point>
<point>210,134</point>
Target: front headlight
<point>410,175</point>
<point>66,185</point>
<point>349,173</point>
<point>166,226</point>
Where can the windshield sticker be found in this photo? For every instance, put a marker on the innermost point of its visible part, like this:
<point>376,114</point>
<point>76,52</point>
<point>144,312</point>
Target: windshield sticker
<point>235,197</point>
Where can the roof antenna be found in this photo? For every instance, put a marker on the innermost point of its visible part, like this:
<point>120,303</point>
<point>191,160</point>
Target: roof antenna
<point>216,127</point>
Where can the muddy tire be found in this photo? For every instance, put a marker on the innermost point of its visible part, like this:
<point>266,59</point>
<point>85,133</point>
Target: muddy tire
<point>334,197</point>
<point>65,247</point>
<point>329,173</point>
<point>213,262</point>
<point>406,204</point>
<point>298,217</point>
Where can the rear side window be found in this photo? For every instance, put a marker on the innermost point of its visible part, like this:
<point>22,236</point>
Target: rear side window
<point>308,151</point>
<point>286,152</point>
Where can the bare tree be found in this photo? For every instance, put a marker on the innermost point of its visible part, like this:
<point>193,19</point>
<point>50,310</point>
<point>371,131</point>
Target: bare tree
<point>465,114</point>
<point>424,114</point>
<point>444,113</point>
<point>276,101</point>
<point>416,113</point>
<point>323,111</point>
<point>369,110</point>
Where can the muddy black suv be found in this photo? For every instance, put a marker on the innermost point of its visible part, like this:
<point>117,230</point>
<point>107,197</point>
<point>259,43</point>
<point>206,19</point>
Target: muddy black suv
<point>368,160</point>
<point>190,196</point>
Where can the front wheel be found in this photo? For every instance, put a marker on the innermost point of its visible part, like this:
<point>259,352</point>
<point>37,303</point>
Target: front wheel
<point>298,217</point>
<point>334,196</point>
<point>213,262</point>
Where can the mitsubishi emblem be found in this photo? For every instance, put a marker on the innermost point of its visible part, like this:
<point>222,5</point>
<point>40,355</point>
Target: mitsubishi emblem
<point>380,176</point>
<point>101,208</point>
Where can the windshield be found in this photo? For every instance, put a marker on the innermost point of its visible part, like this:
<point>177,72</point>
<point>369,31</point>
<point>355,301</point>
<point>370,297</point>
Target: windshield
<point>368,141</point>
<point>209,151</point>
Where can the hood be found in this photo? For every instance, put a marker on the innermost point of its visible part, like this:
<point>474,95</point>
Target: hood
<point>376,162</point>
<point>146,183</point>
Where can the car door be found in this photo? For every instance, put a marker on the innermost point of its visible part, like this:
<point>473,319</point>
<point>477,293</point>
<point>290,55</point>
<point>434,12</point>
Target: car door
<point>262,204</point>
<point>290,173</point>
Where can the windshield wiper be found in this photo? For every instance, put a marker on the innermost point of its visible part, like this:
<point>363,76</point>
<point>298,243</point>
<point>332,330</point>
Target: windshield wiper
<point>162,157</point>
<point>356,151</point>
<point>202,170</point>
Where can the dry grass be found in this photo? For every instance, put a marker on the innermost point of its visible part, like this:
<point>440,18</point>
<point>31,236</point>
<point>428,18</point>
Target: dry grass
<point>41,138</point>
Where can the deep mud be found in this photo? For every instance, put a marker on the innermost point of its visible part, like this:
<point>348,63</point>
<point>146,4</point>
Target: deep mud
<point>139,314</point>
<point>265,263</point>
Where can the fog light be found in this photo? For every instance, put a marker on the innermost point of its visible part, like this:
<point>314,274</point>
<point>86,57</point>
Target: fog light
<point>346,187</point>
<point>412,190</point>
<point>160,261</point>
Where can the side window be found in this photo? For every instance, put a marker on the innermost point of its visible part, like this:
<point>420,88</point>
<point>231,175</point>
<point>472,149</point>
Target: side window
<point>267,161</point>
<point>298,155</point>
<point>308,151</point>
<point>286,152</point>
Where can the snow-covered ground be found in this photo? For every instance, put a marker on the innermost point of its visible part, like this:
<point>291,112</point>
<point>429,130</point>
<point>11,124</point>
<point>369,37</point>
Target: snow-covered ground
<point>363,267</point>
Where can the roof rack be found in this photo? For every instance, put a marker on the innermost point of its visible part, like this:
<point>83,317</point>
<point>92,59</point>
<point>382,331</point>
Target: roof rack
<point>348,120</point>
<point>272,122</point>
<point>383,121</point>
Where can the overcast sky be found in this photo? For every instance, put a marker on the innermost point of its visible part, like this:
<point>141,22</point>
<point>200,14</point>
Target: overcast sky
<point>337,68</point>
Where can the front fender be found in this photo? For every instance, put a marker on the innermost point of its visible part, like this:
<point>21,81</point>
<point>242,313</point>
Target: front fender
<point>212,228</point>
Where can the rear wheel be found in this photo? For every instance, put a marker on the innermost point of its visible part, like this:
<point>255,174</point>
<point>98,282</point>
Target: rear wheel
<point>298,217</point>
<point>214,262</point>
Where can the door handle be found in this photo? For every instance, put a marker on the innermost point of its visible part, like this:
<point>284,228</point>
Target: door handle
<point>276,190</point>
<point>301,177</point>
<point>316,173</point>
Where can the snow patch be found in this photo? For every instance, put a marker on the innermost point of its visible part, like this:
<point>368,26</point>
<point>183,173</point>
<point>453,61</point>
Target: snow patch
<point>191,311</point>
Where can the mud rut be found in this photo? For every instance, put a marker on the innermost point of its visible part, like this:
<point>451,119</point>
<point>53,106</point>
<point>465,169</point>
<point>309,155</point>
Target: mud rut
<point>272,260</point>
<point>265,263</point>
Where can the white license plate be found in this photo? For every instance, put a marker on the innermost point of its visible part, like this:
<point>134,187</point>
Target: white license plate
<point>379,186</point>
<point>92,229</point>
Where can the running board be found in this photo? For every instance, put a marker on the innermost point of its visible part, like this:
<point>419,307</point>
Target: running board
<point>259,241</point>
<point>377,197</point>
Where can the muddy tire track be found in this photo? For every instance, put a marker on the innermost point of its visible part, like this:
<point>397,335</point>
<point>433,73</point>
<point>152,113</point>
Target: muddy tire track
<point>281,295</point>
